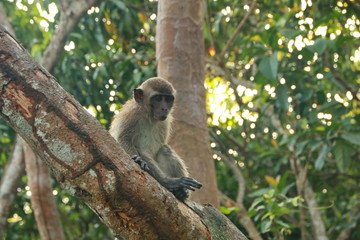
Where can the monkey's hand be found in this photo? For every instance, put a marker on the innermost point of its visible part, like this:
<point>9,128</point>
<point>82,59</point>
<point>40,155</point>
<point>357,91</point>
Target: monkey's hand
<point>144,166</point>
<point>181,193</point>
<point>183,182</point>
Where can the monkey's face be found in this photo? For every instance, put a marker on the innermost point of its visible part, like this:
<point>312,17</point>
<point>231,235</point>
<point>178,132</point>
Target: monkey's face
<point>161,105</point>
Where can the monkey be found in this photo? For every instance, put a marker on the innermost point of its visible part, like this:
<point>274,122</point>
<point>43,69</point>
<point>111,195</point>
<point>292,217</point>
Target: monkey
<point>142,128</point>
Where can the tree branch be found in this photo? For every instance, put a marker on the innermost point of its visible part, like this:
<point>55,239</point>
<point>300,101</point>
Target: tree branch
<point>70,15</point>
<point>345,84</point>
<point>10,181</point>
<point>303,185</point>
<point>242,216</point>
<point>237,30</point>
<point>42,200</point>
<point>238,175</point>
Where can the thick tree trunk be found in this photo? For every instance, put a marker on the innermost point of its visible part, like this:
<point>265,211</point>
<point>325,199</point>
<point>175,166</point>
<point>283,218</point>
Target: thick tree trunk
<point>180,56</point>
<point>89,163</point>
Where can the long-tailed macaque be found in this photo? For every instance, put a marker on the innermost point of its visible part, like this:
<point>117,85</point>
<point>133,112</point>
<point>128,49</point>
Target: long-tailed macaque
<point>142,129</point>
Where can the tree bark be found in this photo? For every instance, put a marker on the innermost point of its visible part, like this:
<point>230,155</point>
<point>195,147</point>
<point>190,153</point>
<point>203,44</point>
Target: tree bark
<point>305,189</point>
<point>318,224</point>
<point>180,56</point>
<point>42,201</point>
<point>89,163</point>
<point>10,181</point>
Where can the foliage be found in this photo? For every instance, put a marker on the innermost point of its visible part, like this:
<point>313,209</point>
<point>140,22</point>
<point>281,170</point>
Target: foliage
<point>287,90</point>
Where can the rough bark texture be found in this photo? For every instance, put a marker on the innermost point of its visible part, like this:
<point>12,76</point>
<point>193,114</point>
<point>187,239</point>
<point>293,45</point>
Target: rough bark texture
<point>88,162</point>
<point>180,56</point>
<point>42,201</point>
<point>318,224</point>
<point>9,183</point>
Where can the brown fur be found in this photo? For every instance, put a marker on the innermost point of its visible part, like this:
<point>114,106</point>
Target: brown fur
<point>140,134</point>
<point>134,128</point>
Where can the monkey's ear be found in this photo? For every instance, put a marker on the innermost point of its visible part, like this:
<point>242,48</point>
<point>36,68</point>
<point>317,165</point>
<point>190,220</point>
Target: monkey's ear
<point>138,95</point>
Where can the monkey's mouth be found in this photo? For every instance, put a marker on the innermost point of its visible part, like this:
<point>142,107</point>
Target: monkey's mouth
<point>162,118</point>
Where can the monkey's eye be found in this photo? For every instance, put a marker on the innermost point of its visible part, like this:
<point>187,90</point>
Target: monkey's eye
<point>169,98</point>
<point>157,98</point>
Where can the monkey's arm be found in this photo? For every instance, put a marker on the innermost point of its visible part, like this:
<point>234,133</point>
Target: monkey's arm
<point>169,181</point>
<point>125,142</point>
<point>174,166</point>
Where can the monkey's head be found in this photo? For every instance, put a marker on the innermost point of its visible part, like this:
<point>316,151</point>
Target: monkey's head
<point>157,96</point>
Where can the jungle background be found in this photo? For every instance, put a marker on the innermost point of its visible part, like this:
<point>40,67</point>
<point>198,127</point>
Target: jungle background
<point>282,81</point>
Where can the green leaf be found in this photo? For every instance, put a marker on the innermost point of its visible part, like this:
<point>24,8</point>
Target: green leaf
<point>300,147</point>
<point>120,4</point>
<point>259,192</point>
<point>256,202</point>
<point>321,97</point>
<point>265,226</point>
<point>319,46</point>
<point>289,33</point>
<point>282,181</point>
<point>353,138</point>
<point>269,66</point>
<point>342,152</point>
<point>319,162</point>
<point>282,97</point>
<point>284,224</point>
<point>225,210</point>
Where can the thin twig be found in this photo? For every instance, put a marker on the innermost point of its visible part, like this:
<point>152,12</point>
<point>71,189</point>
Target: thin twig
<point>237,30</point>
<point>238,175</point>
<point>345,84</point>
<point>208,22</point>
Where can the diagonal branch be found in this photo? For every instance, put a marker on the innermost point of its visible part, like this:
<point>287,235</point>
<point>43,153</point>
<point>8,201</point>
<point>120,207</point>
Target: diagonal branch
<point>242,215</point>
<point>237,30</point>
<point>341,81</point>
<point>71,12</point>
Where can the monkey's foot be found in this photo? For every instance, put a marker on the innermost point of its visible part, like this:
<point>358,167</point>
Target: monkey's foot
<point>144,166</point>
<point>181,194</point>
